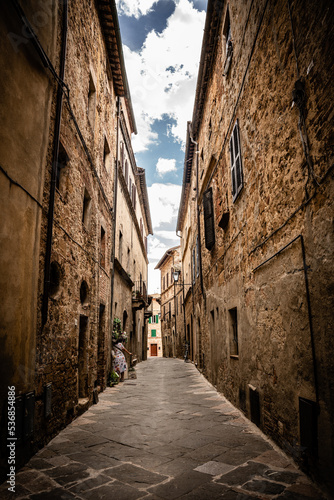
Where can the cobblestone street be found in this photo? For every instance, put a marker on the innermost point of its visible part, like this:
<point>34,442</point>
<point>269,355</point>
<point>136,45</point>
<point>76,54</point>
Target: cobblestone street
<point>165,435</point>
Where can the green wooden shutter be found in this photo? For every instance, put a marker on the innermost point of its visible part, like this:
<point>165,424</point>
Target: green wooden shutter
<point>153,333</point>
<point>157,321</point>
<point>149,319</point>
<point>209,223</point>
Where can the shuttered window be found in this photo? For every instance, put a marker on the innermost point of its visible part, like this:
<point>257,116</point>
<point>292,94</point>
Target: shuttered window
<point>197,257</point>
<point>236,163</point>
<point>209,223</point>
<point>194,264</point>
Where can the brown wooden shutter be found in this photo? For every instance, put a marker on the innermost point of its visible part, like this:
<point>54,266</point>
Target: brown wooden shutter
<point>209,223</point>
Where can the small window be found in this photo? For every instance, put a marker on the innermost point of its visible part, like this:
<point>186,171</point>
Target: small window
<point>163,283</point>
<point>170,310</point>
<point>153,333</point>
<point>194,264</point>
<point>91,101</point>
<point>228,44</point>
<point>126,171</point>
<point>62,162</point>
<point>86,209</point>
<point>234,344</point>
<point>134,196</point>
<point>122,156</point>
<point>236,163</point>
<point>55,275</point>
<point>141,227</point>
<point>120,247</point>
<point>167,279</point>
<point>84,293</point>
<point>103,248</point>
<point>106,155</point>
<point>130,186</point>
<point>197,257</point>
<point>209,227</point>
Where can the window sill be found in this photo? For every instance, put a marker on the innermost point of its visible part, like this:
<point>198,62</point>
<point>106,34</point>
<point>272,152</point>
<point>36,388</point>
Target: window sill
<point>234,356</point>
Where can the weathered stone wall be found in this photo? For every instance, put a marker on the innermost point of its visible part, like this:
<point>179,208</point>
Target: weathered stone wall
<point>73,348</point>
<point>25,103</point>
<point>284,347</point>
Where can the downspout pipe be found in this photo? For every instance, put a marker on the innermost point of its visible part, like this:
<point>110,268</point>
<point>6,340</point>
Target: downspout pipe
<point>198,213</point>
<point>113,242</point>
<point>56,140</point>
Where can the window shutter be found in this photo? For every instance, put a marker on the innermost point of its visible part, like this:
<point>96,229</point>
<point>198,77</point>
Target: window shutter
<point>157,318</point>
<point>149,320</point>
<point>209,223</point>
<point>236,163</point>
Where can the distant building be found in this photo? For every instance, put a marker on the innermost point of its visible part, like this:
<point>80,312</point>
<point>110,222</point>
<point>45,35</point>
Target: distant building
<point>154,339</point>
<point>256,220</point>
<point>172,296</point>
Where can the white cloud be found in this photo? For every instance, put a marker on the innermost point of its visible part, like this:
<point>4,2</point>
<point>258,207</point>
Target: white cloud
<point>136,8</point>
<point>162,76</point>
<point>164,203</point>
<point>164,166</point>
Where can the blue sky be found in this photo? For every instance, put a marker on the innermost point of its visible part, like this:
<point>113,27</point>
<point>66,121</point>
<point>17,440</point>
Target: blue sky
<point>162,42</point>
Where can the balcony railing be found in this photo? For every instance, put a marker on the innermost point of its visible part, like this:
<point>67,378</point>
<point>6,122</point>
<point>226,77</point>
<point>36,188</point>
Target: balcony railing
<point>139,291</point>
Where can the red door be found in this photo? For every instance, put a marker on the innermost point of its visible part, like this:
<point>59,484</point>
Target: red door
<point>154,349</point>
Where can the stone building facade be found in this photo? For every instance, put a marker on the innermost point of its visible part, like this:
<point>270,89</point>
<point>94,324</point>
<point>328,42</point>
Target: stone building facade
<point>172,299</point>
<point>133,225</point>
<point>66,112</point>
<point>154,339</point>
<point>255,219</point>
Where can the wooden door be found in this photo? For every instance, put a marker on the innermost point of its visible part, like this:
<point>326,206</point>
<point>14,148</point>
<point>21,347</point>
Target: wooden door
<point>154,349</point>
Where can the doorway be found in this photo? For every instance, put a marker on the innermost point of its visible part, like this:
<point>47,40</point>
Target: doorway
<point>82,358</point>
<point>154,349</point>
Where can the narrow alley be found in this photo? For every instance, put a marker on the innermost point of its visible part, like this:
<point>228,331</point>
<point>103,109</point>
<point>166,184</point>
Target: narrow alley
<point>165,435</point>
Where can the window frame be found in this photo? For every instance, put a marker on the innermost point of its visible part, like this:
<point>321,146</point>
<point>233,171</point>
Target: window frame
<point>237,178</point>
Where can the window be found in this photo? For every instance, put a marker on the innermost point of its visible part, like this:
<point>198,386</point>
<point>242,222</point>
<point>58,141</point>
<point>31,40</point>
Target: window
<point>157,318</point>
<point>130,186</point>
<point>86,209</point>
<point>122,156</point>
<point>233,319</point>
<point>84,293</point>
<point>209,227</point>
<point>163,283</point>
<point>141,227</point>
<point>134,196</point>
<point>120,247</point>
<point>153,333</point>
<point>167,279</point>
<point>236,164</point>
<point>91,101</point>
<point>62,162</point>
<point>126,172</point>
<point>106,155</point>
<point>193,265</point>
<point>103,248</point>
<point>181,303</point>
<point>55,277</point>
<point>170,310</point>
<point>228,44</point>
<point>197,257</point>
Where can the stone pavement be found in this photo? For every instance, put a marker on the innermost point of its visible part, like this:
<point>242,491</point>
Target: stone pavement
<point>165,435</point>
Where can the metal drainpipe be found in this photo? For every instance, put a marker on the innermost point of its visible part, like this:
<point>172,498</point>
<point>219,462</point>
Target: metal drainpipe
<point>48,250</point>
<point>113,242</point>
<point>198,215</point>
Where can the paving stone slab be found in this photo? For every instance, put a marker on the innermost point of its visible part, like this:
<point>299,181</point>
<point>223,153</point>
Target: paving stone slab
<point>264,487</point>
<point>56,494</point>
<point>208,491</point>
<point>135,476</point>
<point>94,460</point>
<point>90,483</point>
<point>180,485</point>
<point>242,474</point>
